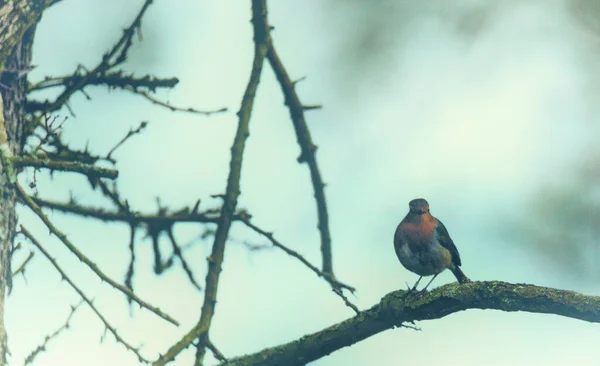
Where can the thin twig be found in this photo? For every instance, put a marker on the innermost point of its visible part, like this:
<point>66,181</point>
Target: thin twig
<point>42,347</point>
<point>63,275</point>
<point>349,304</point>
<point>93,266</point>
<point>293,253</point>
<point>215,351</point>
<point>131,133</point>
<point>171,107</point>
<point>21,268</point>
<point>177,252</point>
<point>130,269</point>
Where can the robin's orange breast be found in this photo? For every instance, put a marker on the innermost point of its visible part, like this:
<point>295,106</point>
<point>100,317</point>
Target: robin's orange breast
<point>418,249</point>
<point>417,234</point>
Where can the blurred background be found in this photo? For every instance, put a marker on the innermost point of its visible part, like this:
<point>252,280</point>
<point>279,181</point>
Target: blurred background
<point>486,108</point>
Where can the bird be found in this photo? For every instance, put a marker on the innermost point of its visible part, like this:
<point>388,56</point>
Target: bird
<point>423,245</point>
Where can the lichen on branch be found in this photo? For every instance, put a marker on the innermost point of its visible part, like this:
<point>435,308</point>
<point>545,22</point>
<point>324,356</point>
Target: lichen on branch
<point>399,307</point>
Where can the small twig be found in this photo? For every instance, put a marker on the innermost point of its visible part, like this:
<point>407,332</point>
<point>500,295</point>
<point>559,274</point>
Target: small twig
<point>113,195</point>
<point>413,327</point>
<point>130,269</point>
<point>177,252</point>
<point>215,351</point>
<point>21,268</point>
<point>339,292</point>
<point>63,275</point>
<point>93,266</point>
<point>130,134</point>
<point>171,107</point>
<point>332,281</point>
<point>42,347</point>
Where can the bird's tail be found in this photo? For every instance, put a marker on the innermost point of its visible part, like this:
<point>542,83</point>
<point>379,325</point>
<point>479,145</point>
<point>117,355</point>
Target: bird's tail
<point>460,276</point>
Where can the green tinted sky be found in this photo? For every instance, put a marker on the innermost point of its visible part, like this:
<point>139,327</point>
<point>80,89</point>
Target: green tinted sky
<point>473,106</point>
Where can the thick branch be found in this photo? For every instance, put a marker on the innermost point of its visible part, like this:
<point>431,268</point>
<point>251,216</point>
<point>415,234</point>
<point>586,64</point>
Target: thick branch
<point>398,307</point>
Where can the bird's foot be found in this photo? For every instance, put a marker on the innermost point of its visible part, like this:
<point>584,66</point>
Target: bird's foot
<point>412,291</point>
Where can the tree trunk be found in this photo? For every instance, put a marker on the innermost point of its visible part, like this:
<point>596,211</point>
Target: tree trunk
<point>17,26</point>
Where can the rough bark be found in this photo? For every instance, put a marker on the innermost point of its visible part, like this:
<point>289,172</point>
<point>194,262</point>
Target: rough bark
<point>17,26</point>
<point>398,307</point>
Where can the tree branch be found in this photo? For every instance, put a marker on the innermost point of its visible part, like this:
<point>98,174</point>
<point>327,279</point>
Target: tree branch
<point>90,302</point>
<point>172,107</point>
<point>65,166</point>
<point>134,218</point>
<point>93,266</point>
<point>42,347</point>
<point>215,261</point>
<point>332,281</point>
<point>398,307</point>
<point>114,57</point>
<point>307,151</point>
<point>117,79</point>
<point>21,268</point>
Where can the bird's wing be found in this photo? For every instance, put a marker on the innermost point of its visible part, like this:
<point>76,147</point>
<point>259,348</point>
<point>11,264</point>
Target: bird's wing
<point>445,240</point>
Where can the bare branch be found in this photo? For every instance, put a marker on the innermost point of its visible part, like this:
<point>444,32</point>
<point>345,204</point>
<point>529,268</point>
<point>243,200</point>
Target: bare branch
<point>135,218</point>
<point>200,330</point>
<point>340,293</point>
<point>110,328</point>
<point>21,268</point>
<point>115,79</point>
<point>399,307</point>
<point>307,151</point>
<point>63,238</point>
<point>293,253</point>
<point>42,347</point>
<point>130,269</point>
<point>186,268</point>
<point>114,57</point>
<point>131,133</point>
<point>171,107</point>
<point>218,355</point>
<point>65,166</point>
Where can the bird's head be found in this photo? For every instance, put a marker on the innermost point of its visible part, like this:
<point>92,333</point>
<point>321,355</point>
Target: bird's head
<point>419,206</point>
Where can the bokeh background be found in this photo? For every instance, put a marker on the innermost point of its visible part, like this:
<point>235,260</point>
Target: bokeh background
<point>486,108</point>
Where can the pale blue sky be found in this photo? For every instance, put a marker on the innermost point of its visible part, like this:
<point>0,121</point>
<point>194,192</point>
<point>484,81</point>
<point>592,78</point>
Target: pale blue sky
<point>475,124</point>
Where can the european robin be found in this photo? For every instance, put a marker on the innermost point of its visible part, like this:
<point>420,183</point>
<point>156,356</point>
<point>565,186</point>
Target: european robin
<point>424,246</point>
